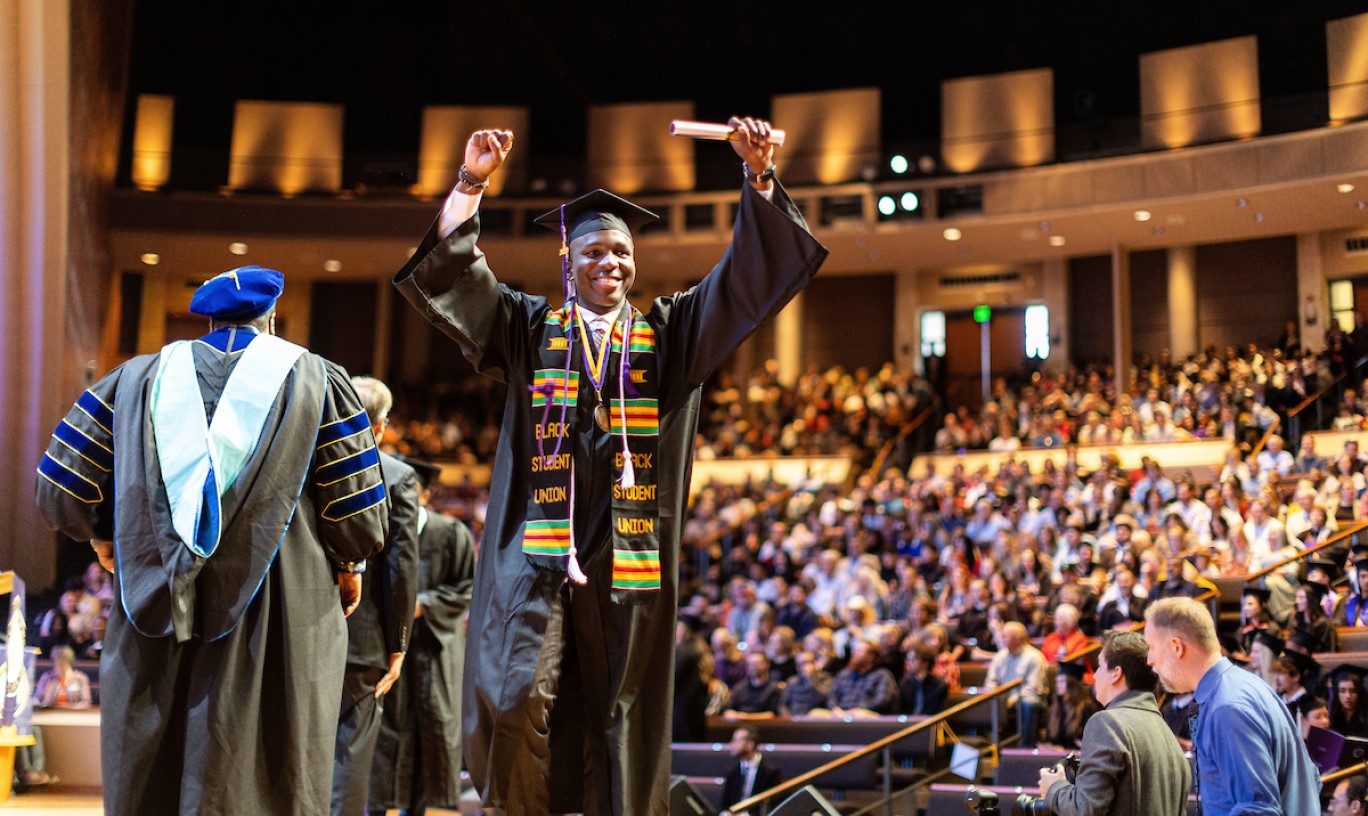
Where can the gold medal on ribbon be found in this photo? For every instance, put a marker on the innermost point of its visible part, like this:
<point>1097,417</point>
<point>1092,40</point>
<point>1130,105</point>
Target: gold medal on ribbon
<point>597,363</point>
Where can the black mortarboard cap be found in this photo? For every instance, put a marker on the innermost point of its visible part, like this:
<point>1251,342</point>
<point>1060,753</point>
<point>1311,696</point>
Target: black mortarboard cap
<point>428,473</point>
<point>1329,567</point>
<point>1309,702</point>
<point>1269,640</point>
<point>1304,639</point>
<point>1073,668</point>
<point>1347,670</point>
<point>1262,593</point>
<point>1314,591</point>
<point>1306,663</point>
<point>598,210</point>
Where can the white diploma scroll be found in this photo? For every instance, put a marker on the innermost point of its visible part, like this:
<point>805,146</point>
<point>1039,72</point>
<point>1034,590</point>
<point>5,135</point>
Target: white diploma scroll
<point>714,132</point>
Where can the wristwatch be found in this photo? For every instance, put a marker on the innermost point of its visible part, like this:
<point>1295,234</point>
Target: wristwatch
<point>350,567</point>
<point>765,175</point>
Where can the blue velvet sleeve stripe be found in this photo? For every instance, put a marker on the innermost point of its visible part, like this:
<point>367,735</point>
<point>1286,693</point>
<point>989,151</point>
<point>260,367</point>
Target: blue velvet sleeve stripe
<point>335,432</point>
<point>100,413</point>
<point>84,446</point>
<point>346,467</point>
<point>354,504</point>
<point>69,481</point>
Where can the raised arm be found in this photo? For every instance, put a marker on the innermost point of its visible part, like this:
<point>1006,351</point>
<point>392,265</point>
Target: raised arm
<point>448,279</point>
<point>772,256</point>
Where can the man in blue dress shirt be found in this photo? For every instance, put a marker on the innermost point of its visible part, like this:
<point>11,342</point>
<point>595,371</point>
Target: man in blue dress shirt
<point>1250,756</point>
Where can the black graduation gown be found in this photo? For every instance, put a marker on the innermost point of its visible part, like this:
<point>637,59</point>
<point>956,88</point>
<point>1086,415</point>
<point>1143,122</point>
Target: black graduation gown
<point>604,747</point>
<point>418,754</point>
<point>377,629</point>
<point>240,717</point>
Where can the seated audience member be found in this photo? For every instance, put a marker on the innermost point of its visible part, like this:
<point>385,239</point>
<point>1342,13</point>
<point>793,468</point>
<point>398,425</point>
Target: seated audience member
<point>921,692</point>
<point>1354,610</point>
<point>1070,708</point>
<point>1290,673</point>
<point>781,649</point>
<point>806,690</point>
<point>1122,604</point>
<point>1348,711</point>
<point>1066,638</point>
<point>728,660</point>
<point>1019,660</point>
<point>794,612</point>
<point>1312,710</point>
<point>947,664</point>
<point>862,688</point>
<point>54,628</point>
<point>1350,797</point>
<point>64,686</point>
<point>1254,615</point>
<point>758,694</point>
<point>689,719</point>
<point>1310,618</point>
<point>1175,583</point>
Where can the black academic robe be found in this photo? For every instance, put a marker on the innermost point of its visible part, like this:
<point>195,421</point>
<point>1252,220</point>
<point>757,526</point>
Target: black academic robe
<point>767,775</point>
<point>418,755</point>
<point>604,746</point>
<point>240,717</point>
<point>378,628</point>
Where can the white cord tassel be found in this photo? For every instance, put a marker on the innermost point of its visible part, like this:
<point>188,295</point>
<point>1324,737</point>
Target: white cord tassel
<point>628,479</point>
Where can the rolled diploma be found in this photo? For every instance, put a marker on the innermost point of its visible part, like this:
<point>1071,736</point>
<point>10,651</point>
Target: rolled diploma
<point>714,132</point>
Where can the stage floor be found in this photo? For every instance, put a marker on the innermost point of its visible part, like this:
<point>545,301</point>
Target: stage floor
<point>72,804</point>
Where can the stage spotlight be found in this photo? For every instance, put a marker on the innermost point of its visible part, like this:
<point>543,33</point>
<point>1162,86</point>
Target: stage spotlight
<point>898,164</point>
<point>909,201</point>
<point>887,206</point>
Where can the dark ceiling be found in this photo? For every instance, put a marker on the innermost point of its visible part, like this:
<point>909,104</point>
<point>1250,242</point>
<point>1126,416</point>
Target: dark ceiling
<point>385,61</point>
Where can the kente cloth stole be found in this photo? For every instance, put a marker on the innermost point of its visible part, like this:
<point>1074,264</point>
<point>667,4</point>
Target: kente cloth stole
<point>559,385</point>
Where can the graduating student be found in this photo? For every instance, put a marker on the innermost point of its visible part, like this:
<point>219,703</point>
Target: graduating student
<point>568,669</point>
<point>378,633</point>
<point>418,753</point>
<point>242,501</point>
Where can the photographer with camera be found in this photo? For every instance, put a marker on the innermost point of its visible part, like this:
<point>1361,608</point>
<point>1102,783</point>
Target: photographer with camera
<point>1131,762</point>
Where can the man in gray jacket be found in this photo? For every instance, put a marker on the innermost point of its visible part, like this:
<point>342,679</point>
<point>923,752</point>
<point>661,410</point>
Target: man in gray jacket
<point>1131,762</point>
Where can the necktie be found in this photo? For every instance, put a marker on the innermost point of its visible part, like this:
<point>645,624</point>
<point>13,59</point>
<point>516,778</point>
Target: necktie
<point>596,329</point>
<point>1192,733</point>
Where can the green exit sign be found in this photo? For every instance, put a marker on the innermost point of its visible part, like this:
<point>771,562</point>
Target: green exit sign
<point>982,313</point>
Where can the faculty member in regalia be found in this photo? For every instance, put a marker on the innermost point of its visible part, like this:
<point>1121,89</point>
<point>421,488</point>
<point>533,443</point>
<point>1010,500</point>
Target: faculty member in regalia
<point>571,646</point>
<point>235,476</point>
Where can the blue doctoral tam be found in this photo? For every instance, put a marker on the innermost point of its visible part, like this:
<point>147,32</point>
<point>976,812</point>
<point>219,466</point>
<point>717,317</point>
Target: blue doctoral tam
<point>239,294</point>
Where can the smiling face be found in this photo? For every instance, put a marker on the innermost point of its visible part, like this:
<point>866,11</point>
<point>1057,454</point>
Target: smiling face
<point>604,264</point>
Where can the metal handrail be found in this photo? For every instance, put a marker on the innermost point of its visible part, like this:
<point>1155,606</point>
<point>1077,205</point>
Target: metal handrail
<point>1344,773</point>
<point>878,745</point>
<point>904,432</point>
<point>1342,534</point>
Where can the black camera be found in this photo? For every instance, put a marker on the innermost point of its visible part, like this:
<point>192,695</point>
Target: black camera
<point>1028,805</point>
<point>982,802</point>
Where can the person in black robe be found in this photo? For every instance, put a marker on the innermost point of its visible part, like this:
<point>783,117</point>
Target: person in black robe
<point>418,754</point>
<point>568,682</point>
<point>752,773</point>
<point>378,633</point>
<point>224,654</point>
